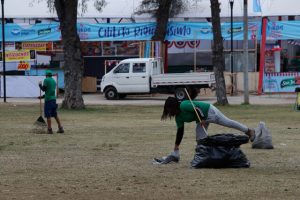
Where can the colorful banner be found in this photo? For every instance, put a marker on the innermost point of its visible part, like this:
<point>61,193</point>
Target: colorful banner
<point>23,55</point>
<point>254,31</point>
<point>23,66</point>
<point>13,66</point>
<point>269,59</point>
<point>37,32</point>
<point>38,46</point>
<point>281,82</point>
<point>176,31</point>
<point>181,31</point>
<point>283,30</point>
<point>9,46</point>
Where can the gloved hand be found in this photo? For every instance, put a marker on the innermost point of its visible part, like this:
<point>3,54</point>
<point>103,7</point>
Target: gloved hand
<point>40,83</point>
<point>41,97</point>
<point>172,157</point>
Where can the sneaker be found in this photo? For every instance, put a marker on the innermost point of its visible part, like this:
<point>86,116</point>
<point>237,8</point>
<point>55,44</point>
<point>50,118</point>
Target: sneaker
<point>60,130</point>
<point>251,134</point>
<point>50,131</point>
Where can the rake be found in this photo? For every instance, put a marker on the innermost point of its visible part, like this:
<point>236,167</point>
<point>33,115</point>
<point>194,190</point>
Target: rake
<point>40,121</point>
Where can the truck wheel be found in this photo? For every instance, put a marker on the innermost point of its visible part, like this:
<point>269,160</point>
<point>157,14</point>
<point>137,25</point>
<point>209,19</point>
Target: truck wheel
<point>180,94</point>
<point>111,93</point>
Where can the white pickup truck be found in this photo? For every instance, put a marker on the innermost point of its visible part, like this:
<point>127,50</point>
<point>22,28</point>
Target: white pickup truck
<point>145,76</point>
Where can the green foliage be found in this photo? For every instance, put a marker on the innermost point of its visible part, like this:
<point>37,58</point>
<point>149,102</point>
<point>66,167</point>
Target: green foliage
<point>82,4</point>
<point>151,7</point>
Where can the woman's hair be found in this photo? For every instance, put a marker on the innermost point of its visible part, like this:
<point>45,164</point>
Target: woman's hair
<point>171,108</point>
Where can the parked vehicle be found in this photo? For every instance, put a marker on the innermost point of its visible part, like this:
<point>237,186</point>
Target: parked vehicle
<point>145,76</point>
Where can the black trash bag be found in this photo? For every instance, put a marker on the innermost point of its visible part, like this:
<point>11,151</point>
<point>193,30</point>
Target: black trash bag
<point>221,151</point>
<point>225,139</point>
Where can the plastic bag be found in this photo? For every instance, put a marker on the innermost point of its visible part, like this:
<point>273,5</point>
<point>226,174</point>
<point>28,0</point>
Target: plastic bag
<point>221,151</point>
<point>263,138</point>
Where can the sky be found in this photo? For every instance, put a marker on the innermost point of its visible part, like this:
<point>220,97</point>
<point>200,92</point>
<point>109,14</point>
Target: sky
<point>126,8</point>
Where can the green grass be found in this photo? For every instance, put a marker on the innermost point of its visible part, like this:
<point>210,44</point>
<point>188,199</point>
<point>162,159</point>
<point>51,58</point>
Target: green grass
<point>106,153</point>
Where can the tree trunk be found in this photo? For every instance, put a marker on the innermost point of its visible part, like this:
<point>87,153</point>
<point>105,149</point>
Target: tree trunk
<point>162,18</point>
<point>218,57</point>
<point>73,67</point>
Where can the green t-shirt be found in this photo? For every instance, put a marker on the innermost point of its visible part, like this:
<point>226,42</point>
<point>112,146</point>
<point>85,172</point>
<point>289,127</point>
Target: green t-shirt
<point>187,113</point>
<point>50,85</point>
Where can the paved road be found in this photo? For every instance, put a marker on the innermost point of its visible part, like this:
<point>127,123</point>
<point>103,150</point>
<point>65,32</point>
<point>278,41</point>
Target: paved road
<point>98,99</point>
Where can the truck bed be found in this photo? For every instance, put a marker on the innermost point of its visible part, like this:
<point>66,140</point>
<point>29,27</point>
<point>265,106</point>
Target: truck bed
<point>194,78</point>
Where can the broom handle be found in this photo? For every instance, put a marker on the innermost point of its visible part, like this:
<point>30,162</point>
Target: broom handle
<point>40,102</point>
<point>195,110</point>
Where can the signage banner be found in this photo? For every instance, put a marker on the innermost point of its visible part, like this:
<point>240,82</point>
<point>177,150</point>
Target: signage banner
<point>17,55</point>
<point>23,66</point>
<point>254,31</point>
<point>176,31</point>
<point>281,82</point>
<point>36,32</point>
<point>283,30</point>
<point>269,59</point>
<point>38,46</point>
<point>9,46</point>
<point>13,66</point>
<point>116,32</point>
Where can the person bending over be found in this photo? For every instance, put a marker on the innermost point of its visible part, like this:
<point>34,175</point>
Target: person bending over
<point>184,113</point>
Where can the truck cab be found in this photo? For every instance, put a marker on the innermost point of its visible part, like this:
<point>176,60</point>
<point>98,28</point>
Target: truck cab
<point>145,76</point>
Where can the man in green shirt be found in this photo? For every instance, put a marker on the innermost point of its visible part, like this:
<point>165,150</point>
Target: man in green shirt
<point>50,108</point>
<point>185,113</point>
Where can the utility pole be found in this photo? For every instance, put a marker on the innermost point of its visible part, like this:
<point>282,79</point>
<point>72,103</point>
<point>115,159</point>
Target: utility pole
<point>3,52</point>
<point>246,58</point>
<point>231,45</point>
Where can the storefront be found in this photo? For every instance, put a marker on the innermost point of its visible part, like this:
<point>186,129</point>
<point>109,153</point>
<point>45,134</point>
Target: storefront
<point>280,57</point>
<point>103,45</point>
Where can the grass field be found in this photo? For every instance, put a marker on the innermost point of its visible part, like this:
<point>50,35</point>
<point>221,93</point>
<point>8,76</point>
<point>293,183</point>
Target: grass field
<point>106,153</point>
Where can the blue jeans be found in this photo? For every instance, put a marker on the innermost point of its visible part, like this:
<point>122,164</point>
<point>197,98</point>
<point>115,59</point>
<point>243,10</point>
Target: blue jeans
<point>217,117</point>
